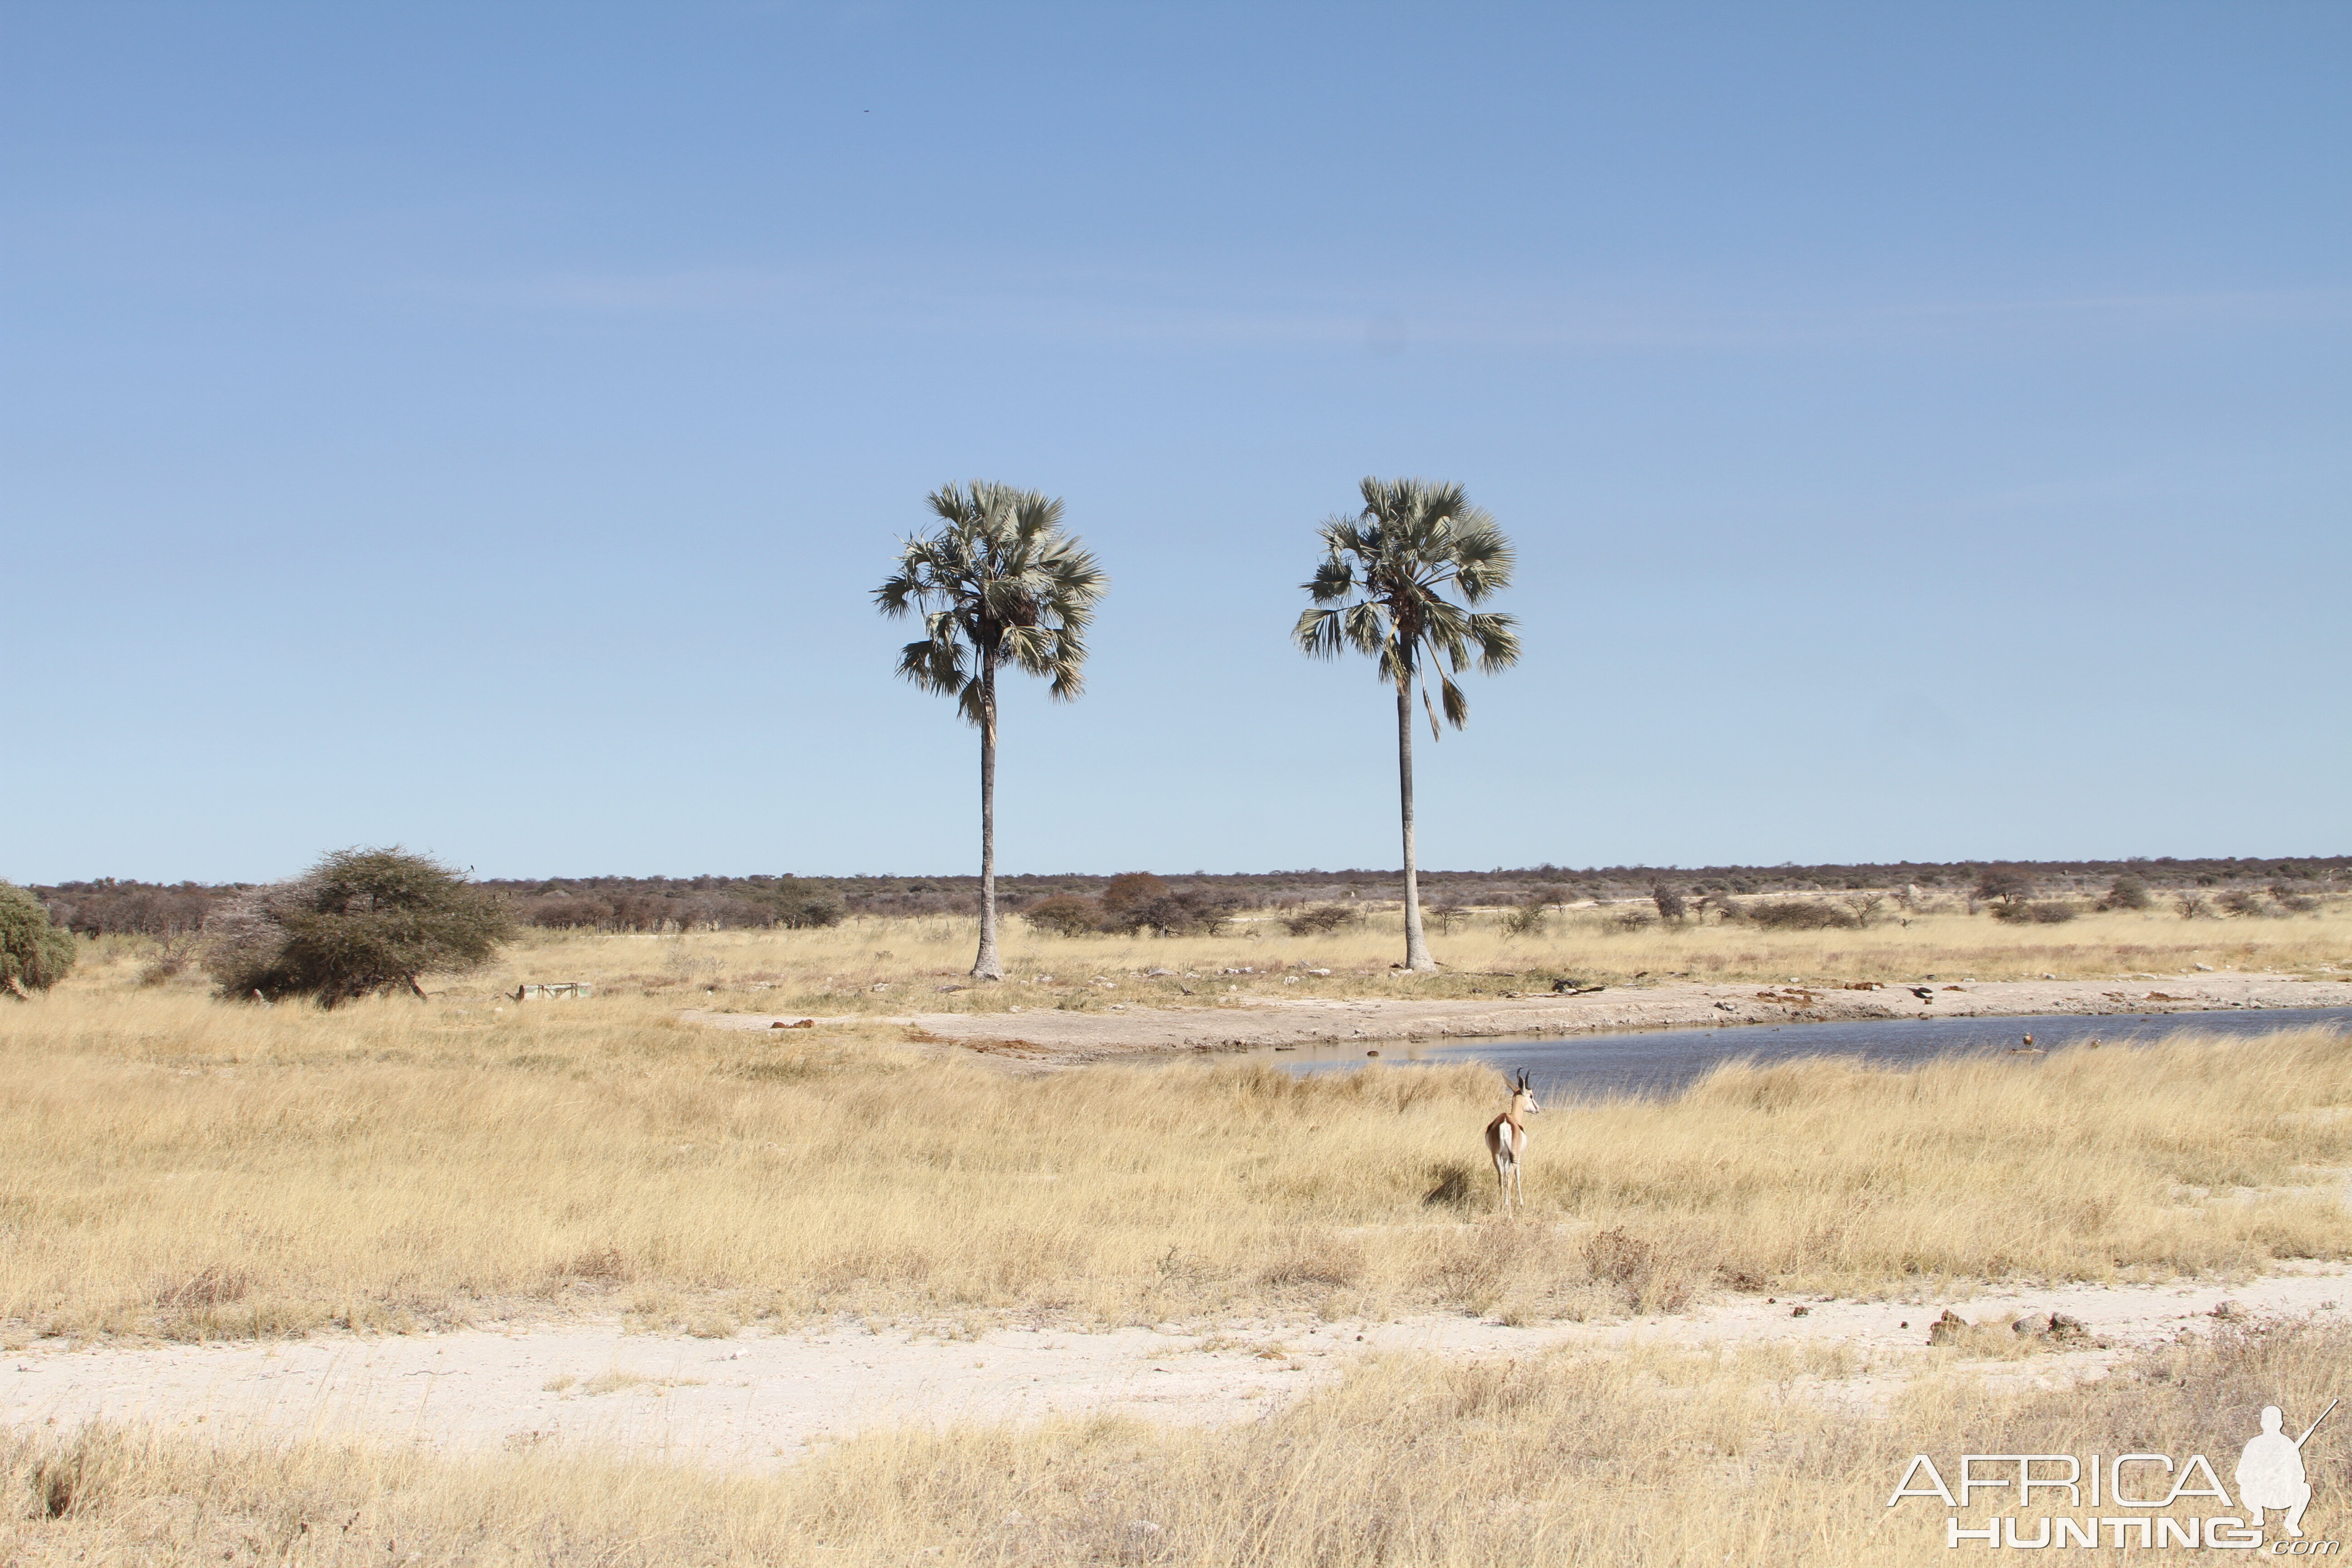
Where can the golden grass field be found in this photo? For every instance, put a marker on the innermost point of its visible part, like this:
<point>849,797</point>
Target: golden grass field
<point>1653,1456</point>
<point>179,1167</point>
<point>174,1165</point>
<point>837,971</point>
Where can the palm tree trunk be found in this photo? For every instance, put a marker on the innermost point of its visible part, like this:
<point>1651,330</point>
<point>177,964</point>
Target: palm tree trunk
<point>1416,946</point>
<point>988,965</point>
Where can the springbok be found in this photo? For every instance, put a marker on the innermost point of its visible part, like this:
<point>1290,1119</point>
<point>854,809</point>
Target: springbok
<point>1507,1141</point>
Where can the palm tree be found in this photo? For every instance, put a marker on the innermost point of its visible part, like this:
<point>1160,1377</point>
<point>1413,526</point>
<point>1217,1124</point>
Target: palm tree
<point>1382,580</point>
<point>998,584</point>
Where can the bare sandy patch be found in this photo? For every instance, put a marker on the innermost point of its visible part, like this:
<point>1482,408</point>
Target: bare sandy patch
<point>763,1402</point>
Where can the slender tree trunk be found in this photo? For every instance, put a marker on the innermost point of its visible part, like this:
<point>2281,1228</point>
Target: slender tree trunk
<point>1416,946</point>
<point>988,966</point>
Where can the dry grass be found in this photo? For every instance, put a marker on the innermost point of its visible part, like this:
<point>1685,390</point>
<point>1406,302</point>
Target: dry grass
<point>920,964</point>
<point>1644,1457</point>
<point>175,1166</point>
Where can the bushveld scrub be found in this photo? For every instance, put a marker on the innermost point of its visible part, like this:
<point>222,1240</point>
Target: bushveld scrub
<point>1641,1455</point>
<point>178,1166</point>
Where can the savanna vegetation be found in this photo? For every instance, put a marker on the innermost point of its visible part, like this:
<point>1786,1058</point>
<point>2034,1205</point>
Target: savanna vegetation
<point>171,1164</point>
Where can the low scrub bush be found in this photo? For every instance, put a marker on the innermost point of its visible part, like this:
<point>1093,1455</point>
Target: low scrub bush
<point>2126,893</point>
<point>1800,914</point>
<point>1528,916</point>
<point>2046,912</point>
<point>1064,914</point>
<point>1322,919</point>
<point>2010,884</point>
<point>34,953</point>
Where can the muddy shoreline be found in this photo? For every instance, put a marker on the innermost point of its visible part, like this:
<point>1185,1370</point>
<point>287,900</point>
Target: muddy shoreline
<point>1046,1037</point>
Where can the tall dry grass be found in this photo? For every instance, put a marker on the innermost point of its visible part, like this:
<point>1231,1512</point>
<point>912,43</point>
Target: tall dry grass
<point>178,1166</point>
<point>1643,1457</point>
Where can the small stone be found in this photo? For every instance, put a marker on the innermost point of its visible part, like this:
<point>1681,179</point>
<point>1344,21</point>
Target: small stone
<point>1801,1311</point>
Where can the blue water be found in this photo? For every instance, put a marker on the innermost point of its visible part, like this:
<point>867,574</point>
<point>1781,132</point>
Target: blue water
<point>1659,1061</point>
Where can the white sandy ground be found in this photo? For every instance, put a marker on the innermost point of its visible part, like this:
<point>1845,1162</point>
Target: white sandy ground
<point>761,1401</point>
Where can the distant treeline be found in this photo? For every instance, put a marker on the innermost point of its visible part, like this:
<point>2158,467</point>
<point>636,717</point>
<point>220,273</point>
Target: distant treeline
<point>645,904</point>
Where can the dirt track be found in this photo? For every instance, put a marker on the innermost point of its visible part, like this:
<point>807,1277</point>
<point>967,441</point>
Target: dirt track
<point>1054,1037</point>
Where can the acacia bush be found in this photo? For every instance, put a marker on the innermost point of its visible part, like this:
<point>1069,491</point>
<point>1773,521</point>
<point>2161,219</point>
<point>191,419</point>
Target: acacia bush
<point>361,920</point>
<point>1064,914</point>
<point>795,904</point>
<point>2046,912</point>
<point>1322,919</point>
<point>2125,892</point>
<point>34,953</point>
<point>2010,884</point>
<point>1126,896</point>
<point>1800,914</point>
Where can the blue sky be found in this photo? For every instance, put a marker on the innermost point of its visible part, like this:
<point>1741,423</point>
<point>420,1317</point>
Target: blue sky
<point>1923,427</point>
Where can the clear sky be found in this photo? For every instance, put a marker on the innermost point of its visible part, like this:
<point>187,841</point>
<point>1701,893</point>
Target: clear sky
<point>481,427</point>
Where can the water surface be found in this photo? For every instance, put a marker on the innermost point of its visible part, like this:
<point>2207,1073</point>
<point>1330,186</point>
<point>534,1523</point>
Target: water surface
<point>1659,1061</point>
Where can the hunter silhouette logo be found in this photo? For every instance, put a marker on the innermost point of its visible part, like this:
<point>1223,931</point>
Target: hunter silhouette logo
<point>2269,1478</point>
<point>2270,1472</point>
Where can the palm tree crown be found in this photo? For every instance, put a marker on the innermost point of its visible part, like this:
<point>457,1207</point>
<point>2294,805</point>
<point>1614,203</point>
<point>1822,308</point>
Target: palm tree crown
<point>999,583</point>
<point>1385,573</point>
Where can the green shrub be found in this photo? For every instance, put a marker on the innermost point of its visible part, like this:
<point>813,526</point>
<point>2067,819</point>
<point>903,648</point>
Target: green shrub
<point>34,953</point>
<point>361,920</point>
<point>2048,912</point>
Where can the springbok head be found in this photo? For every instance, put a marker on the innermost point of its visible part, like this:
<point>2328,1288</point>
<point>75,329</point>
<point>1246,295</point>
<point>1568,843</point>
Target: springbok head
<point>1523,1097</point>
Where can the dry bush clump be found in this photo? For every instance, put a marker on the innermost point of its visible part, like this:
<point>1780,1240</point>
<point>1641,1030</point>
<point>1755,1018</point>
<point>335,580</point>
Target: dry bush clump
<point>1799,914</point>
<point>2040,911</point>
<point>1322,919</point>
<point>1573,1457</point>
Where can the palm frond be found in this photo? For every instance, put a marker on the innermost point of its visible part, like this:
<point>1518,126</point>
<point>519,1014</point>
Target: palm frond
<point>1385,587</point>
<point>1316,633</point>
<point>998,582</point>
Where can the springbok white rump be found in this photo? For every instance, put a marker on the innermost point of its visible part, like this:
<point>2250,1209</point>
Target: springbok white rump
<point>1507,1141</point>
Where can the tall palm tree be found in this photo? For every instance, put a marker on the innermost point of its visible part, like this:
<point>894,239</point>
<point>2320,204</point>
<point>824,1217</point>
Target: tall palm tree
<point>998,584</point>
<point>1384,580</point>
